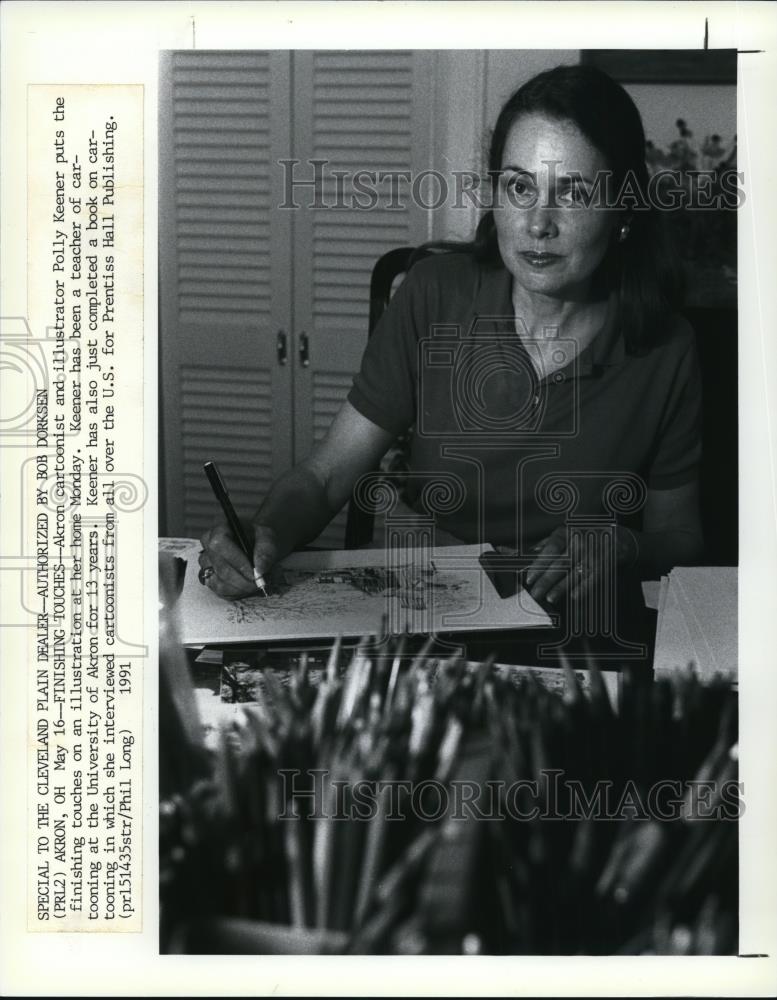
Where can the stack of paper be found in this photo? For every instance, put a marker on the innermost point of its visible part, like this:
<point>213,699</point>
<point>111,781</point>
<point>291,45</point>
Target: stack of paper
<point>697,621</point>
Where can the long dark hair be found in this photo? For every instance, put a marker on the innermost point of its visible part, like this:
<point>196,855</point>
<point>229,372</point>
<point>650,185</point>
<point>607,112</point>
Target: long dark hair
<point>643,270</point>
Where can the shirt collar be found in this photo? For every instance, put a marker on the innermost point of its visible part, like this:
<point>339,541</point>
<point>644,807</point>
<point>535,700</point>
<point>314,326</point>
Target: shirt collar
<point>493,307</point>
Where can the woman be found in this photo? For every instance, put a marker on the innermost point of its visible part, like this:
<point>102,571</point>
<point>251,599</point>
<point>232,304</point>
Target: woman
<point>542,360</point>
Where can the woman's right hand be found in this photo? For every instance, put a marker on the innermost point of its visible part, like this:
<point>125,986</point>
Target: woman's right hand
<point>233,574</point>
<point>302,502</point>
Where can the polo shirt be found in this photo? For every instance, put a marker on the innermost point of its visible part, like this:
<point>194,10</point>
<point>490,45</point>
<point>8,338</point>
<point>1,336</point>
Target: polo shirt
<point>501,453</point>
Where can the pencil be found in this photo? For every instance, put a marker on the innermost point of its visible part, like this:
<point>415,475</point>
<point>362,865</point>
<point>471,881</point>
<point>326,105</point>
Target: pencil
<point>220,492</point>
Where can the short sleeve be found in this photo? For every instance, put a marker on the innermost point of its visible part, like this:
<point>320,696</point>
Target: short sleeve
<point>384,390</point>
<point>678,448</point>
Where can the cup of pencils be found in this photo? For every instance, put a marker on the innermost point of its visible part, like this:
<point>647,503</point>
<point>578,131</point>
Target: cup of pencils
<point>402,802</point>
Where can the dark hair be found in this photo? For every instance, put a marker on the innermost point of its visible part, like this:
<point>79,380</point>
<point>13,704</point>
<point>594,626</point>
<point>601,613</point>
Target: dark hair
<point>643,270</point>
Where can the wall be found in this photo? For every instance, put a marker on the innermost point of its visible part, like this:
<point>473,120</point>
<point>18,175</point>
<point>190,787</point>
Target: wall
<point>707,109</point>
<point>470,87</point>
<point>507,69</point>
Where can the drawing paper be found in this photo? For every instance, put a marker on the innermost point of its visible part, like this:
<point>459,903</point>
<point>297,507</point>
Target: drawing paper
<point>329,593</point>
<point>697,621</point>
<point>708,598</point>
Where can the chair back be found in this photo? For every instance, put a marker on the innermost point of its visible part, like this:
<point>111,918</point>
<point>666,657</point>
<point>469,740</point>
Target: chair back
<point>716,342</point>
<point>359,524</point>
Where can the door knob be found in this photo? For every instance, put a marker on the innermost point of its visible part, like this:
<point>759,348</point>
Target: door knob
<point>304,350</point>
<point>281,347</point>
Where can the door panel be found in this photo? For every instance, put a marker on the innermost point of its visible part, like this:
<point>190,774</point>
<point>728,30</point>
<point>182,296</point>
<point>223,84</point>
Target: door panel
<point>225,412</point>
<point>328,390</point>
<point>235,270</point>
<point>225,279</point>
<point>366,111</point>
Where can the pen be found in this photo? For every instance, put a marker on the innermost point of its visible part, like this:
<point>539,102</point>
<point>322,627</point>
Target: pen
<point>220,491</point>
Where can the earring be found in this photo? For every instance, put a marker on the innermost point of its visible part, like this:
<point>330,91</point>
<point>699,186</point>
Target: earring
<point>623,232</point>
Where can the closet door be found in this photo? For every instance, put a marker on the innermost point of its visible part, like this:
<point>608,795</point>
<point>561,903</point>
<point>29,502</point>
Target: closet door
<point>225,280</point>
<point>367,111</point>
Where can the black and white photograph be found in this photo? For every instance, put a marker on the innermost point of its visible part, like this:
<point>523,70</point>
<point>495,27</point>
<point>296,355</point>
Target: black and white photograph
<point>448,502</point>
<point>388,547</point>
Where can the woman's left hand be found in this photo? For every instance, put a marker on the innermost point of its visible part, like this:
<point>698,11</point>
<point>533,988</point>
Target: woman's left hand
<point>558,571</point>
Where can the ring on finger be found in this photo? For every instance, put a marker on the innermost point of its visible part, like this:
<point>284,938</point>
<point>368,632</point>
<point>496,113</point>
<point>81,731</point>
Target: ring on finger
<point>205,573</point>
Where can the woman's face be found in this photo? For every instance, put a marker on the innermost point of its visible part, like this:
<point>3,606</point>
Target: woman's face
<point>549,243</point>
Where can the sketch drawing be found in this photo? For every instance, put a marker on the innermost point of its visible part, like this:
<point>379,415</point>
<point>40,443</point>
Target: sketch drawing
<point>355,592</point>
<point>179,546</point>
<point>299,593</point>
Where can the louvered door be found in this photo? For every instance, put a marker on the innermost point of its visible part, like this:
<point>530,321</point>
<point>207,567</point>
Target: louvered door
<point>225,279</point>
<point>358,111</point>
<point>236,270</point>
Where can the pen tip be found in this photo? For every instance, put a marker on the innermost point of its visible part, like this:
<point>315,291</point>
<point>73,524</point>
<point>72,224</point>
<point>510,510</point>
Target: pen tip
<point>259,581</point>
